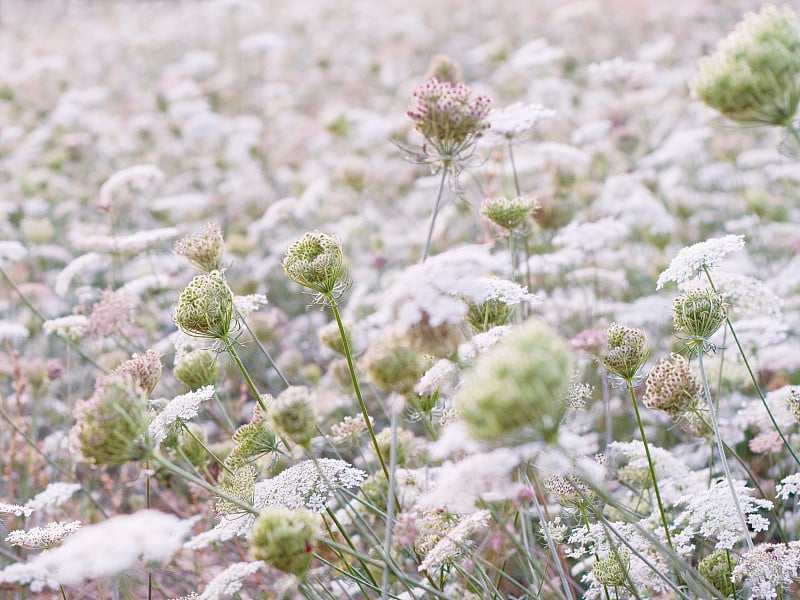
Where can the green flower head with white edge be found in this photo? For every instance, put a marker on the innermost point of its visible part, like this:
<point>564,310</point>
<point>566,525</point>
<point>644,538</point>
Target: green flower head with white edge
<point>754,76</point>
<point>205,307</point>
<point>315,261</point>
<point>698,314</point>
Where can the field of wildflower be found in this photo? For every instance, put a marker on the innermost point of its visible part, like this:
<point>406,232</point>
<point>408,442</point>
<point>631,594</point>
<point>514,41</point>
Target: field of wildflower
<point>339,299</point>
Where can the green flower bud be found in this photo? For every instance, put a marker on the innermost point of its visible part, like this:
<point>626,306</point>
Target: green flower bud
<point>508,213</point>
<point>754,76</point>
<point>518,386</point>
<point>699,313</point>
<point>198,368</point>
<point>492,313</point>
<point>440,340</point>
<point>145,369</point>
<point>612,571</point>
<point>444,68</point>
<point>405,441</point>
<point>253,440</point>
<point>626,350</point>
<point>672,386</point>
<point>110,425</point>
<point>332,338</point>
<point>315,261</point>
<point>717,569</point>
<point>205,307</point>
<point>393,366</point>
<point>292,414</point>
<point>204,249</point>
<point>285,538</point>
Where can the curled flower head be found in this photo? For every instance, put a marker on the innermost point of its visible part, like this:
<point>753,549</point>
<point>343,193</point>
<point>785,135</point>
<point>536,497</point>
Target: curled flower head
<point>198,368</point>
<point>612,571</point>
<point>508,213</point>
<point>699,313</point>
<point>716,567</point>
<point>448,117</point>
<point>315,261</point>
<point>292,414</point>
<point>111,425</point>
<point>393,366</point>
<point>754,76</point>
<point>285,538</point>
<point>205,307</point>
<point>626,350</point>
<point>672,386</point>
<point>204,249</point>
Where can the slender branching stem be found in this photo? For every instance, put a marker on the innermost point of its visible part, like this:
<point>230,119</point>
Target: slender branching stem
<point>435,211</point>
<point>235,356</point>
<point>721,450</point>
<point>264,351</point>
<point>649,462</point>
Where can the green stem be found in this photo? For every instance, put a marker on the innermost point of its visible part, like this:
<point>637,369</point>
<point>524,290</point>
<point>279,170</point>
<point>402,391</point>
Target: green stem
<point>435,211</point>
<point>753,377</point>
<point>361,404</point>
<point>63,591</point>
<point>253,389</point>
<point>207,450</point>
<point>514,167</point>
<point>649,462</point>
<point>148,504</point>
<point>264,351</point>
<point>723,459</point>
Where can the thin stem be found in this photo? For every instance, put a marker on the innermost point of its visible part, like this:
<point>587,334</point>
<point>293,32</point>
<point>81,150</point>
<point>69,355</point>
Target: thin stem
<point>753,377</point>
<point>445,168</point>
<point>148,504</point>
<point>264,351</point>
<point>723,459</point>
<point>253,389</point>
<point>361,404</point>
<point>649,462</point>
<point>29,303</point>
<point>514,167</point>
<point>207,450</point>
<point>63,591</point>
<point>387,544</point>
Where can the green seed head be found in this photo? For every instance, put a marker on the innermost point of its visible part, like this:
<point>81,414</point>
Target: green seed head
<point>292,414</point>
<point>612,571</point>
<point>285,538</point>
<point>716,568</point>
<point>625,351</point>
<point>517,388</point>
<point>699,313</point>
<point>393,366</point>
<point>198,368</point>
<point>314,261</point>
<point>508,213</point>
<point>205,307</point>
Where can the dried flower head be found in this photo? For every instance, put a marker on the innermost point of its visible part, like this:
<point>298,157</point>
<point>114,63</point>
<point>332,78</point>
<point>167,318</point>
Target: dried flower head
<point>448,117</point>
<point>697,314</point>
<point>205,307</point>
<point>145,369</point>
<point>315,261</point>
<point>198,368</point>
<point>444,68</point>
<point>508,213</point>
<point>626,350</point>
<point>111,424</point>
<point>672,386</point>
<point>113,313</point>
<point>518,386</point>
<point>285,538</point>
<point>754,76</point>
<point>292,414</point>
<point>204,249</point>
<point>348,430</point>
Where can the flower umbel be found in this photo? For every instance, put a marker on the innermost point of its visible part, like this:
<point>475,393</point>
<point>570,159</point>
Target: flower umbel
<point>698,314</point>
<point>205,307</point>
<point>204,250</point>
<point>315,261</point>
<point>626,350</point>
<point>508,213</point>
<point>285,538</point>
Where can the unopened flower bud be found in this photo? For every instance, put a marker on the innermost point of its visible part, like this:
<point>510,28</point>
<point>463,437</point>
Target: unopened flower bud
<point>626,350</point>
<point>393,366</point>
<point>716,568</point>
<point>508,213</point>
<point>191,445</point>
<point>612,571</point>
<point>315,261</point>
<point>205,307</point>
<point>292,414</point>
<point>285,538</point>
<point>198,368</point>
<point>332,338</point>
<point>203,249</point>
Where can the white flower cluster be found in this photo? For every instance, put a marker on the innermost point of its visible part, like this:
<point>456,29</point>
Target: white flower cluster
<point>72,327</point>
<point>514,121</point>
<point>229,581</point>
<point>54,495</point>
<point>43,537</point>
<point>130,243</point>
<point>182,407</point>
<point>449,547</point>
<point>692,259</point>
<point>769,568</point>
<point>713,514</point>
<point>249,303</point>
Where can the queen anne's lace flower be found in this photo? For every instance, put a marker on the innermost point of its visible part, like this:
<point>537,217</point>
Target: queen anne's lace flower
<point>769,568</point>
<point>229,581</point>
<point>692,259</point>
<point>43,537</point>
<point>54,495</point>
<point>182,407</point>
<point>515,120</point>
<point>450,546</point>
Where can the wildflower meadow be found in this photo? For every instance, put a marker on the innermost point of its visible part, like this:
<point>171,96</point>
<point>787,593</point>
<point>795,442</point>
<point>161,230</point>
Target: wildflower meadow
<point>336,299</point>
